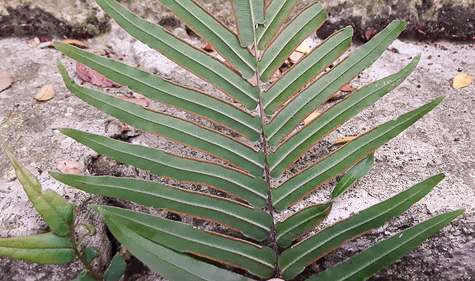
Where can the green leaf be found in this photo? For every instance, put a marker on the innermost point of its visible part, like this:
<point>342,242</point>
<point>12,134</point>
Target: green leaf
<point>160,163</point>
<point>212,30</point>
<point>116,268</point>
<point>85,276</point>
<point>356,172</point>
<point>90,254</point>
<point>47,248</point>
<point>55,210</point>
<point>156,88</point>
<point>170,264</point>
<point>290,38</point>
<point>287,153</point>
<point>276,14</point>
<point>91,230</point>
<point>294,260</point>
<point>172,127</point>
<point>300,223</point>
<point>340,160</point>
<point>304,71</point>
<point>385,253</point>
<point>195,60</point>
<point>324,87</point>
<point>251,222</point>
<point>248,13</point>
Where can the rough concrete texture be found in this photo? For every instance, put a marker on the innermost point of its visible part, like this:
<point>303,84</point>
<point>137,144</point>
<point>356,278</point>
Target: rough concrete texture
<point>427,19</point>
<point>441,142</point>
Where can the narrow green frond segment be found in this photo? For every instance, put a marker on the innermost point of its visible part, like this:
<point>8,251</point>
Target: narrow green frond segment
<point>196,61</point>
<point>293,148</point>
<point>294,260</point>
<point>320,91</point>
<point>90,254</point>
<point>309,67</point>
<point>185,238</point>
<point>290,38</point>
<point>340,160</point>
<point>170,264</point>
<point>156,88</point>
<point>116,268</point>
<point>385,253</point>
<point>160,163</point>
<point>248,13</point>
<point>213,31</point>
<point>356,172</point>
<point>300,223</point>
<point>243,12</point>
<point>252,222</point>
<point>171,127</point>
<point>276,14</point>
<point>47,248</point>
<point>55,210</point>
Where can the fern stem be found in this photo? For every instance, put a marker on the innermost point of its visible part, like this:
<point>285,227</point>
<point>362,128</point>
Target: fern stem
<point>265,147</point>
<point>87,266</point>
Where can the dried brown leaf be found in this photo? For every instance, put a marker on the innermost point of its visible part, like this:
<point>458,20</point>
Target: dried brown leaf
<point>303,48</point>
<point>311,117</point>
<point>345,140</point>
<point>295,56</point>
<point>33,42</point>
<point>141,102</point>
<point>76,43</point>
<point>462,80</point>
<point>208,48</point>
<point>89,75</point>
<point>46,93</point>
<point>6,80</point>
<point>347,88</point>
<point>70,167</point>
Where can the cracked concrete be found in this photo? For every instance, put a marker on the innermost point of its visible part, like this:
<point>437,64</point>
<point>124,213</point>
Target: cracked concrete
<point>441,142</point>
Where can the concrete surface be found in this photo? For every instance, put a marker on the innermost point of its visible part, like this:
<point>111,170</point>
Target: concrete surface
<point>429,19</point>
<point>441,142</point>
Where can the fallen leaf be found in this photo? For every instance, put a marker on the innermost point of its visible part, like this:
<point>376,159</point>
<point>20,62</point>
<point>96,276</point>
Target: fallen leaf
<point>369,33</point>
<point>89,75</point>
<point>345,140</point>
<point>69,167</point>
<point>141,102</point>
<point>208,48</point>
<point>76,43</point>
<point>311,117</point>
<point>462,80</point>
<point>295,56</point>
<point>33,42</point>
<point>347,88</point>
<point>275,76</point>
<point>303,48</point>
<point>6,80</point>
<point>138,96</point>
<point>46,93</point>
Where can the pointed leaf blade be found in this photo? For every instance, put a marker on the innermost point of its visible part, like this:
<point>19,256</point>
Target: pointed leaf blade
<point>245,21</point>
<point>47,248</point>
<point>304,71</point>
<point>90,254</point>
<point>195,60</point>
<point>251,222</point>
<point>171,127</point>
<point>340,160</point>
<point>276,14</point>
<point>294,260</point>
<point>301,223</point>
<point>223,40</point>
<point>156,88</point>
<point>356,172</point>
<point>185,238</point>
<point>116,268</point>
<point>291,149</point>
<point>55,210</point>
<point>385,253</point>
<point>163,164</point>
<point>323,88</point>
<point>290,38</point>
<point>168,263</point>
